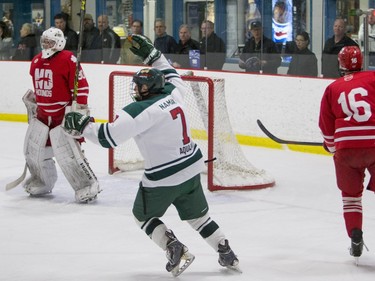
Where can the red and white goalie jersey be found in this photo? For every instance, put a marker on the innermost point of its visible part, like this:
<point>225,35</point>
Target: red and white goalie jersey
<point>347,112</point>
<point>53,80</point>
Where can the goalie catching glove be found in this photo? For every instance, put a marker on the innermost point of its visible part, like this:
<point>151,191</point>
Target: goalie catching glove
<point>75,123</point>
<point>141,46</point>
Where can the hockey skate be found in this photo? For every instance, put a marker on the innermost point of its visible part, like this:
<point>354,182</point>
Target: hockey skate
<point>227,258</point>
<point>177,252</point>
<point>88,193</point>
<point>356,247</point>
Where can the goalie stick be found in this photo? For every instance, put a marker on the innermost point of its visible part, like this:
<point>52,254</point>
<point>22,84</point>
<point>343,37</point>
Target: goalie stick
<point>282,141</point>
<point>16,182</point>
<point>79,53</point>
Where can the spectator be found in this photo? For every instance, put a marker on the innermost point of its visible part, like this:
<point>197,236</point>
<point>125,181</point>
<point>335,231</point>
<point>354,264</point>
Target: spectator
<point>185,44</point>
<point>8,21</point>
<point>330,67</point>
<point>90,39</point>
<point>346,121</point>
<point>212,47</point>
<point>28,45</point>
<point>260,53</point>
<point>71,37</point>
<point>127,56</point>
<point>371,38</point>
<point>304,62</point>
<point>108,42</point>
<point>6,41</point>
<point>163,42</point>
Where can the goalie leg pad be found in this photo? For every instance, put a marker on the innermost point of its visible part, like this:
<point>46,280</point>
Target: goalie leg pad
<point>39,160</point>
<point>74,165</point>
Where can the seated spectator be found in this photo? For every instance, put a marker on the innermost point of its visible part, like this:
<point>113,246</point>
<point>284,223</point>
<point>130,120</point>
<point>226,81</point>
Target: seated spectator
<point>212,47</point>
<point>71,37</point>
<point>108,42</point>
<point>27,47</point>
<point>163,42</point>
<point>333,45</point>
<point>127,56</point>
<point>185,44</point>
<point>6,41</point>
<point>260,53</point>
<point>89,38</point>
<point>304,62</point>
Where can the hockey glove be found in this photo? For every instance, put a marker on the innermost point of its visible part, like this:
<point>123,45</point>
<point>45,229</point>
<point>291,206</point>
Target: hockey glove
<point>75,123</point>
<point>141,46</point>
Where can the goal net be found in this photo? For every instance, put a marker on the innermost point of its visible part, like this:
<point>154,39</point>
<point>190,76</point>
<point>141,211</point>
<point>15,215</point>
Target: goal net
<point>227,166</point>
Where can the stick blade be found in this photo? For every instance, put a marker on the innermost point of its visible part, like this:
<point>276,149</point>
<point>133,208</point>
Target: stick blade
<point>16,182</point>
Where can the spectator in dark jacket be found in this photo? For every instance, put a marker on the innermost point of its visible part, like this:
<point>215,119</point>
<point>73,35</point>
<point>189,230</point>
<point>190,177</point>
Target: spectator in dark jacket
<point>90,38</point>
<point>163,42</point>
<point>330,65</point>
<point>212,47</point>
<point>185,44</point>
<point>109,43</point>
<point>27,47</point>
<point>71,37</point>
<point>304,62</point>
<point>260,53</point>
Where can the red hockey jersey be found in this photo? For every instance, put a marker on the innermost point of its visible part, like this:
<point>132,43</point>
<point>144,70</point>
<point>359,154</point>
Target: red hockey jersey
<point>347,112</point>
<point>53,80</point>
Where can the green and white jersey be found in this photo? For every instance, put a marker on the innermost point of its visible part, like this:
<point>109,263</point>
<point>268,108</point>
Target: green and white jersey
<point>161,131</point>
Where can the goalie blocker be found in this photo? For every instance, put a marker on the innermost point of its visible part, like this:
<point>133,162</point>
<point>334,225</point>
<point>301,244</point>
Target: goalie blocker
<point>68,154</point>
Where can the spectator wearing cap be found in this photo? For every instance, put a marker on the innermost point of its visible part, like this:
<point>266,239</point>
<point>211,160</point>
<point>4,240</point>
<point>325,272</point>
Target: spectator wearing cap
<point>212,47</point>
<point>71,37</point>
<point>90,38</point>
<point>260,53</point>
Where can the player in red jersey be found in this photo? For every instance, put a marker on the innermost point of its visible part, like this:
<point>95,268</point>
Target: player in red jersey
<point>347,122</point>
<point>53,74</point>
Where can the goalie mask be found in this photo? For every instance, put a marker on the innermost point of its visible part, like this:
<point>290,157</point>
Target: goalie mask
<point>350,59</point>
<point>52,41</point>
<point>149,81</point>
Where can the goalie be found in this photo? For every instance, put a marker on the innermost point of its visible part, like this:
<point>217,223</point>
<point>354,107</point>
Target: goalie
<point>173,162</point>
<point>53,75</point>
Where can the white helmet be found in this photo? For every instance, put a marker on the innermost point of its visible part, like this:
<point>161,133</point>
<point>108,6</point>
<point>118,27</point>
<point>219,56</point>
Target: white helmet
<point>52,41</point>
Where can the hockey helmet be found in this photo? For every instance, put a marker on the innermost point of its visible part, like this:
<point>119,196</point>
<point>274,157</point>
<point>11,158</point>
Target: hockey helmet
<point>52,41</point>
<point>152,78</point>
<point>350,59</point>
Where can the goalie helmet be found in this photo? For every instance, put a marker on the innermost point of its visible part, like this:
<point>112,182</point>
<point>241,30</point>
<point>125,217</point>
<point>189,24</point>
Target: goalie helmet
<point>350,59</point>
<point>52,41</point>
<point>152,78</point>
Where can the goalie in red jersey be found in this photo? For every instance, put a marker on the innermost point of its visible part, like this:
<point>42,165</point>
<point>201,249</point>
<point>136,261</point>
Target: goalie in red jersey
<point>53,74</point>
<point>347,122</point>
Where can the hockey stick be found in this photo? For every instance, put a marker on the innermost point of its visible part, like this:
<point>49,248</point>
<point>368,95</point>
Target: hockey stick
<point>281,141</point>
<point>79,53</point>
<point>16,182</point>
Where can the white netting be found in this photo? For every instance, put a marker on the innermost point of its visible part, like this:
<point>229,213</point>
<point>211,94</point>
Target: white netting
<point>231,169</point>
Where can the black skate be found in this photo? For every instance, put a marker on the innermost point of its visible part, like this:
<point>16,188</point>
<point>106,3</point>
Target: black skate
<point>356,247</point>
<point>177,252</point>
<point>227,258</point>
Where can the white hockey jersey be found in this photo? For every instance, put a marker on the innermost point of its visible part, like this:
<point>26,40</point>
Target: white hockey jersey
<point>160,130</point>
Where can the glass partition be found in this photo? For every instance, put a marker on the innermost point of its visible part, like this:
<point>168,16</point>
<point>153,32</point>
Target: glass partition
<point>278,37</point>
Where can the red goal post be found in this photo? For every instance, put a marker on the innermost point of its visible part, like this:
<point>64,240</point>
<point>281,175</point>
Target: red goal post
<point>227,166</point>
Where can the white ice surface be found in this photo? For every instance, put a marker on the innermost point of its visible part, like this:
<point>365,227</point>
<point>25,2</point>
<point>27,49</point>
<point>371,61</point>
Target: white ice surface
<point>293,231</point>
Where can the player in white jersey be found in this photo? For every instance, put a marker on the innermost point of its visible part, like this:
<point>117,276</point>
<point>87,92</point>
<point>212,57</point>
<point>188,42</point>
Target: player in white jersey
<point>173,162</point>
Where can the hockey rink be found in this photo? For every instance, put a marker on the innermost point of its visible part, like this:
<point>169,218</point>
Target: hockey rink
<point>293,231</point>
